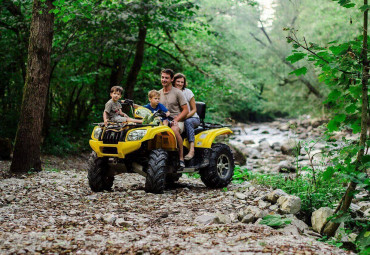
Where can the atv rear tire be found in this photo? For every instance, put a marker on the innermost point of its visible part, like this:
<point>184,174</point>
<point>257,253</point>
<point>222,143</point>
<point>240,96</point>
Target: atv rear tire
<point>97,174</point>
<point>156,173</point>
<point>220,170</point>
<point>172,178</point>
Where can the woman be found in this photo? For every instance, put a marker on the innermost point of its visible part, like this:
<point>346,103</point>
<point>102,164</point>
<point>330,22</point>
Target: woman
<point>192,119</point>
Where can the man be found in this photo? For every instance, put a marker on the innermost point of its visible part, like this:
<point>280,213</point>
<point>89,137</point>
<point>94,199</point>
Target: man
<point>175,102</point>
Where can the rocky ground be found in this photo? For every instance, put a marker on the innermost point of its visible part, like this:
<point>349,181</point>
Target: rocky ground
<point>55,211</point>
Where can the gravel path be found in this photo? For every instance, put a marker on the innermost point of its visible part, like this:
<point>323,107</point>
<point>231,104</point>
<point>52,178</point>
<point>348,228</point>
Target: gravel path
<point>55,212</point>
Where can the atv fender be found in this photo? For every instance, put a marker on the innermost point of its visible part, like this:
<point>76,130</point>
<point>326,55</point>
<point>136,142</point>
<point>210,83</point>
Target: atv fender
<point>206,138</point>
<point>161,137</point>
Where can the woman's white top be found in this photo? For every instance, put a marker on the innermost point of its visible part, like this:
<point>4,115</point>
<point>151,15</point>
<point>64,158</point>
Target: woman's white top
<point>189,95</point>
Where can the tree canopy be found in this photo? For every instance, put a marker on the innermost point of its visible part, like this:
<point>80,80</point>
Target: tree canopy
<point>230,53</point>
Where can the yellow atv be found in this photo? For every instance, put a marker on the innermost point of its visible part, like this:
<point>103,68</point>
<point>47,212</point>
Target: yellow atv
<point>151,150</point>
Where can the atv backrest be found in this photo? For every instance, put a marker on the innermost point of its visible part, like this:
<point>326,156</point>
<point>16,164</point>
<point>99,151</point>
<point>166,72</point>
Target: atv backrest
<point>201,110</point>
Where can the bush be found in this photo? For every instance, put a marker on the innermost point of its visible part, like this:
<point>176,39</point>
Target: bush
<point>62,142</point>
<point>324,193</point>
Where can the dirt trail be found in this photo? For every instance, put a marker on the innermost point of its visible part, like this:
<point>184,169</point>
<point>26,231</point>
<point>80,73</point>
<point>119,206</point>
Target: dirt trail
<point>56,212</point>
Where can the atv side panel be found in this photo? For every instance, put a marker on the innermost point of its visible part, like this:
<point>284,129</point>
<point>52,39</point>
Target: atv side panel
<point>205,139</point>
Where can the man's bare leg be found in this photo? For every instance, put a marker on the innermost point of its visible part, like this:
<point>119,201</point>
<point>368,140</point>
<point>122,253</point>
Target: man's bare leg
<point>176,130</point>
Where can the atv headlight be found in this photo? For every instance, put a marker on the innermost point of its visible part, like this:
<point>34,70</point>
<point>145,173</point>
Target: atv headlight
<point>136,135</point>
<point>142,112</point>
<point>97,132</point>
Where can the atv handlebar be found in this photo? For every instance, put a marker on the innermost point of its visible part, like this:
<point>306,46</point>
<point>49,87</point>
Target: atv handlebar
<point>127,102</point>
<point>162,114</point>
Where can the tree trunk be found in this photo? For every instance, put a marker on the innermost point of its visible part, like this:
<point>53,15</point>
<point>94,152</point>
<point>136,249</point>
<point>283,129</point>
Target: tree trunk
<point>28,139</point>
<point>116,75</point>
<point>136,66</point>
<point>330,228</point>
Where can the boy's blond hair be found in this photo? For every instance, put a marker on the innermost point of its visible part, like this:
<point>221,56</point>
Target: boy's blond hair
<point>153,93</point>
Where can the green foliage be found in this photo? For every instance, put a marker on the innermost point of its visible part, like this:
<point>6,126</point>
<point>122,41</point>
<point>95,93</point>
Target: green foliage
<point>193,175</point>
<point>363,240</point>
<point>53,170</point>
<point>331,241</point>
<point>342,69</point>
<point>296,57</point>
<point>325,193</point>
<point>225,65</point>
<point>300,71</point>
<point>345,3</point>
<point>61,142</point>
<point>275,221</point>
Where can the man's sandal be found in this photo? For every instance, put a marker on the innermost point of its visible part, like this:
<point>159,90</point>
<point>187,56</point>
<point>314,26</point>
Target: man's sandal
<point>182,164</point>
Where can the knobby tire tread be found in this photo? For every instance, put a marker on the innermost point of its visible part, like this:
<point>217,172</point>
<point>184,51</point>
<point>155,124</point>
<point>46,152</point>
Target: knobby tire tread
<point>209,175</point>
<point>156,174</point>
<point>98,180</point>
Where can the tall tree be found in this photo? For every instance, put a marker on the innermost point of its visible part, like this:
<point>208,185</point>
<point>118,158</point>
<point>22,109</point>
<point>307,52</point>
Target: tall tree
<point>28,139</point>
<point>138,62</point>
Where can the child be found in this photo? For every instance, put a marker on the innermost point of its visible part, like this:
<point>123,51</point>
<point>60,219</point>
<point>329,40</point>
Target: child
<point>155,105</point>
<point>113,108</point>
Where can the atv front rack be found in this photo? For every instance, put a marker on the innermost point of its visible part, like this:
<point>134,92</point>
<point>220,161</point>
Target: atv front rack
<point>121,125</point>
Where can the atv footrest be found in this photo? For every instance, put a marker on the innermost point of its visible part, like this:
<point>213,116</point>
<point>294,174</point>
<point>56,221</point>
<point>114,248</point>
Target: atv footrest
<point>187,170</point>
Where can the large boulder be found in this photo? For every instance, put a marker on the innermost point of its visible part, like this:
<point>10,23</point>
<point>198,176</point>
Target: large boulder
<point>289,147</point>
<point>222,218</point>
<point>246,142</point>
<point>206,219</point>
<point>319,217</point>
<point>305,123</point>
<point>364,205</point>
<point>286,167</point>
<point>240,196</point>
<point>239,156</point>
<point>317,122</point>
<point>264,145</point>
<point>276,146</point>
<point>248,218</point>
<point>367,213</point>
<point>289,204</point>
<point>301,225</point>
<point>252,153</point>
<point>251,213</point>
<point>262,204</point>
<point>284,127</point>
<point>273,196</point>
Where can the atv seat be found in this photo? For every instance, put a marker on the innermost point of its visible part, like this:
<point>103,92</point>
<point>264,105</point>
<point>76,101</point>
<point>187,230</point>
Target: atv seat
<point>201,111</point>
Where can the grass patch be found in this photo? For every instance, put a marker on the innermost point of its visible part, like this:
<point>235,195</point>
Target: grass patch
<point>324,193</point>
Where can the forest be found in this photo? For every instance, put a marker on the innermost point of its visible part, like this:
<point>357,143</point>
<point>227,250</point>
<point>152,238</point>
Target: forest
<point>249,61</point>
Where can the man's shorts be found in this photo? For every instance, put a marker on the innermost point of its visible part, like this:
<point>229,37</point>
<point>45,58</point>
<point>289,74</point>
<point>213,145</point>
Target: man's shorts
<point>181,126</point>
<point>119,119</point>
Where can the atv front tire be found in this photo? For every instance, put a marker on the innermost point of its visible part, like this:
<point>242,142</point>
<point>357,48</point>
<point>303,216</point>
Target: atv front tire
<point>220,170</point>
<point>97,174</point>
<point>156,174</point>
